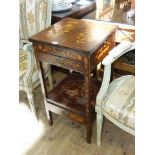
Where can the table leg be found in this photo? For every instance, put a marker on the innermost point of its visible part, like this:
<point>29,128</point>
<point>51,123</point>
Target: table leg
<point>51,119</point>
<point>88,104</point>
<point>43,85</point>
<point>44,90</point>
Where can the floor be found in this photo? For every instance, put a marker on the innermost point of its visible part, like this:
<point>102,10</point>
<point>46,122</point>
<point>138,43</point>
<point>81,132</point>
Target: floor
<point>66,137</point>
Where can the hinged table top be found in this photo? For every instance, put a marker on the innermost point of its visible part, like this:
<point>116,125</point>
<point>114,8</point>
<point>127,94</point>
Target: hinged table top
<point>75,34</point>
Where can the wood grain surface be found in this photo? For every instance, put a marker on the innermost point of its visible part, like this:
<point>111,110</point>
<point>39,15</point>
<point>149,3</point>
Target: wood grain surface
<point>80,35</point>
<point>77,45</point>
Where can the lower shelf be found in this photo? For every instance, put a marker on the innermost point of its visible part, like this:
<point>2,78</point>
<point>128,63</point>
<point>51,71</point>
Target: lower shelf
<point>69,94</point>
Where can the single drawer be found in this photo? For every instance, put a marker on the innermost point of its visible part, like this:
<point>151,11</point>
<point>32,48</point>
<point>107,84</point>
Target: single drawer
<point>58,51</point>
<point>61,61</point>
<point>101,52</point>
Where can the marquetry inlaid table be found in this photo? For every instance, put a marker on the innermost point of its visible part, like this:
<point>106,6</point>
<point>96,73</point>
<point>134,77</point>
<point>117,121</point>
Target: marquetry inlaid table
<point>77,45</point>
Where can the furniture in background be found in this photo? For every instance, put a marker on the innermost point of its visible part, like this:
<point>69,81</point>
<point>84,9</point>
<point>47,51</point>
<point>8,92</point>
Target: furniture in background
<point>117,15</point>
<point>126,63</point>
<point>78,10</point>
<point>116,100</point>
<point>104,9</point>
<point>132,4</point>
<point>61,5</point>
<point>126,32</point>
<point>35,15</point>
<point>77,45</point>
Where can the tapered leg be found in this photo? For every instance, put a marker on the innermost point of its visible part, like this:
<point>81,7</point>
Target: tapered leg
<point>49,115</point>
<point>89,132</point>
<point>51,119</point>
<point>88,101</point>
<point>99,128</point>
<point>31,101</point>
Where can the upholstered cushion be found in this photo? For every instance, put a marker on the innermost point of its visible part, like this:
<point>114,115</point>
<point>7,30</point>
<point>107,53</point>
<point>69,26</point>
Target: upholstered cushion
<point>23,66</point>
<point>35,15</point>
<point>120,100</point>
<point>22,62</point>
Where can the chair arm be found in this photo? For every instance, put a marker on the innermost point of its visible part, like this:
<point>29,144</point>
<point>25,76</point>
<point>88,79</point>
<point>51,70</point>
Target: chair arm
<point>105,84</point>
<point>28,75</point>
<point>118,51</point>
<point>22,42</point>
<point>28,47</point>
<point>114,54</point>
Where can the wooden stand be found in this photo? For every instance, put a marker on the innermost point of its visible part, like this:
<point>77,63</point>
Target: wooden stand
<point>75,45</point>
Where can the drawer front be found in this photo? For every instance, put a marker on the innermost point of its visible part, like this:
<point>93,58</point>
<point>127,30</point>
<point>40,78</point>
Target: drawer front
<point>61,61</point>
<point>58,51</point>
<point>101,52</point>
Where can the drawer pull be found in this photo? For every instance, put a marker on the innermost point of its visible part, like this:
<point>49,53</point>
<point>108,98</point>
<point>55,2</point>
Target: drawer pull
<point>59,60</point>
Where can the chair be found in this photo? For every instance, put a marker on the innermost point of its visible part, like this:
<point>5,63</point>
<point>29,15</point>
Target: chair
<point>116,100</point>
<point>35,15</point>
<point>104,9</point>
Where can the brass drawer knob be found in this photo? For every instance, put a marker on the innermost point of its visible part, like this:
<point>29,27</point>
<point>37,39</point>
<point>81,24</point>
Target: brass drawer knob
<point>59,60</point>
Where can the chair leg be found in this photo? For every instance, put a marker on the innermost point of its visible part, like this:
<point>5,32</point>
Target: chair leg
<point>31,101</point>
<point>51,119</point>
<point>49,116</point>
<point>99,128</point>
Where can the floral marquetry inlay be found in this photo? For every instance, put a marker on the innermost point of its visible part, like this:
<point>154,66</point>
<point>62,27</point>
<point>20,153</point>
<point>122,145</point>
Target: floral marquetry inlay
<point>59,30</point>
<point>73,44</point>
<point>43,8</point>
<point>69,26</point>
<point>103,49</point>
<point>82,38</point>
<point>73,34</point>
<point>30,18</point>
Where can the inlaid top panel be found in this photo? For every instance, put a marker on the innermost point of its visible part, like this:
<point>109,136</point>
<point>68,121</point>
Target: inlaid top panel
<point>75,34</point>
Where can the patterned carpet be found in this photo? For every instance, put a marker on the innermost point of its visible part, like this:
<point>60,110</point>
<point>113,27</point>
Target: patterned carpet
<point>66,137</point>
